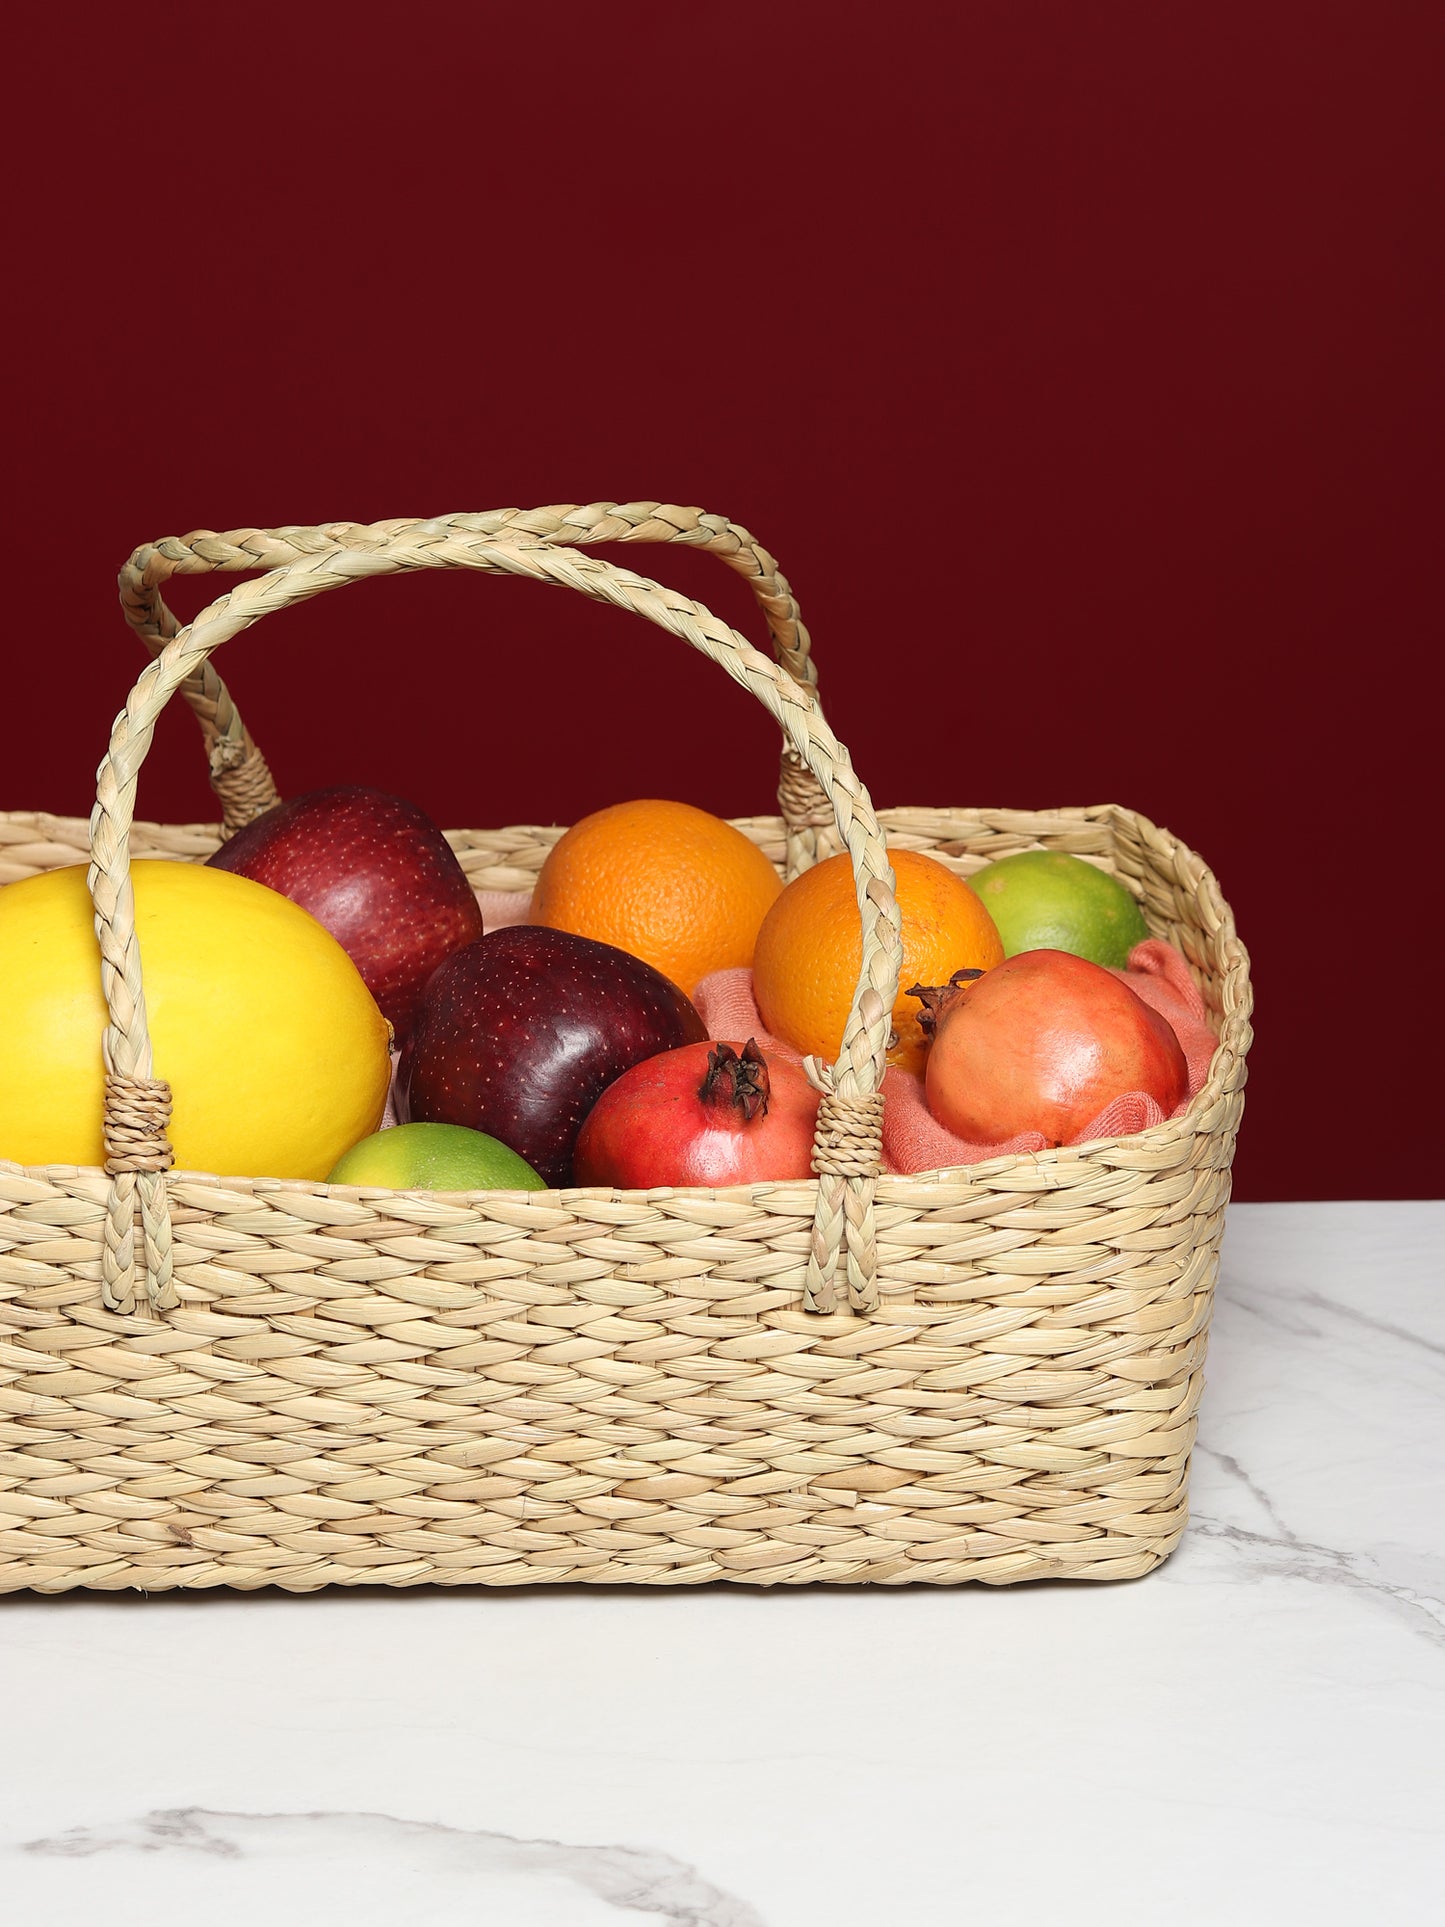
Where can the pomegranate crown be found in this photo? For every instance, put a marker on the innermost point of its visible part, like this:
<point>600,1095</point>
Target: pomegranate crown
<point>739,1080</point>
<point>936,998</point>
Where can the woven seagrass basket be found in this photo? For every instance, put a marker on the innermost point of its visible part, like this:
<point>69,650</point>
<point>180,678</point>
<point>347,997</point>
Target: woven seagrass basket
<point>988,1373</point>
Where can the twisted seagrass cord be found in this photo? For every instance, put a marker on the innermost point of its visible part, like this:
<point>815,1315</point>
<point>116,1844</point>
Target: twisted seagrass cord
<point>137,1152</point>
<point>849,1131</point>
<point>137,1117</point>
<point>326,1384</point>
<point>843,1218</point>
<point>239,773</point>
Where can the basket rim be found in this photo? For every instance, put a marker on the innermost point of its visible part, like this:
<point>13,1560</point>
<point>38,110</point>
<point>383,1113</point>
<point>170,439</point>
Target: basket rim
<point>1233,1043</point>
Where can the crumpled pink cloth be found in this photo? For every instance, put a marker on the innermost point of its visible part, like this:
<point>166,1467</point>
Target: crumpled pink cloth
<point>913,1138</point>
<point>501,907</point>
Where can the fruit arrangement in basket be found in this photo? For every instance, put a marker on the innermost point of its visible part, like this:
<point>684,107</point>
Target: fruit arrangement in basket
<point>652,1015</point>
<point>655,1378</point>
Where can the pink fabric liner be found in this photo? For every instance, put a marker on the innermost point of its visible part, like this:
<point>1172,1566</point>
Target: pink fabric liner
<point>501,907</point>
<point>913,1139</point>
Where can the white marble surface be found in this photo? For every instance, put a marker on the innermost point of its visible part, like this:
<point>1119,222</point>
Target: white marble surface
<point>1254,1733</point>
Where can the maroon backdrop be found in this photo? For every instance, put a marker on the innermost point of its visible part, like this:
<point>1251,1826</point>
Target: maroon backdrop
<point>1080,363</point>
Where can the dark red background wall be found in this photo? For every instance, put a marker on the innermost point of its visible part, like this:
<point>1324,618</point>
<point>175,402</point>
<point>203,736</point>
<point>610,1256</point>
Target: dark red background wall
<point>1081,363</point>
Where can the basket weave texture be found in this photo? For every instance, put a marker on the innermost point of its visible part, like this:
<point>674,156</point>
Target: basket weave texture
<point>347,1386</point>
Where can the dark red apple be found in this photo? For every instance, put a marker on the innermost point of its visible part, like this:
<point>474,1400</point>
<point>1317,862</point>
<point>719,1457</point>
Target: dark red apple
<point>377,872</point>
<point>519,1034</point>
<point>1043,1042</point>
<point>708,1114</point>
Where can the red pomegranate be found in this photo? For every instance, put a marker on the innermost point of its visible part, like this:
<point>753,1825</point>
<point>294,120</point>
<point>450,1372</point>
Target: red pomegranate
<point>707,1114</point>
<point>1043,1043</point>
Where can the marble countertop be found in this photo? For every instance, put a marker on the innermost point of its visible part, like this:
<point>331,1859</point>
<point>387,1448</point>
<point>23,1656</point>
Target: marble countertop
<point>1253,1733</point>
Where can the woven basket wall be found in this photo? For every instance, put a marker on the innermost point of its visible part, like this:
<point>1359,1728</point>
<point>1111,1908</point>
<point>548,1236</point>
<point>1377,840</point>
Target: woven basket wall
<point>356,1387</point>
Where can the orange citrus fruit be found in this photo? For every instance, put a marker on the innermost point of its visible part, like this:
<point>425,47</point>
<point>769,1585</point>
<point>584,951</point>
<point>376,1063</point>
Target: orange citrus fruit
<point>810,949</point>
<point>683,890</point>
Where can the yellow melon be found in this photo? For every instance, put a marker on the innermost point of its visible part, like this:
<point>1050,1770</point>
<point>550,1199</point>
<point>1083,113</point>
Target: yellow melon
<point>275,1051</point>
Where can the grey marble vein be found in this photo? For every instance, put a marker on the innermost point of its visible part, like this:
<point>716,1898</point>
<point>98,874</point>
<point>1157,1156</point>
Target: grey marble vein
<point>1251,1485</point>
<point>1384,1326</point>
<point>631,1879</point>
<point>1282,1555</point>
<point>1281,1552</point>
<point>1325,1379</point>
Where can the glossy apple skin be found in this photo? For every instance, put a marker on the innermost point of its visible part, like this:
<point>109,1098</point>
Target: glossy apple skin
<point>1043,1043</point>
<point>377,872</point>
<point>654,1126</point>
<point>519,1034</point>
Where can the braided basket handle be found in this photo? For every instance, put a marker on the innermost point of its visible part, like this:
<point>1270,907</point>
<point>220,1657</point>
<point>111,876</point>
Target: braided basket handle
<point>848,1142</point>
<point>239,774</point>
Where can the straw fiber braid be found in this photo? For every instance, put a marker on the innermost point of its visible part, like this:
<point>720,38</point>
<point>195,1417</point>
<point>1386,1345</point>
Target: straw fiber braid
<point>848,1146</point>
<point>239,773</point>
<point>508,859</point>
<point>137,1105</point>
<point>137,1117</point>
<point>843,1216</point>
<point>849,1129</point>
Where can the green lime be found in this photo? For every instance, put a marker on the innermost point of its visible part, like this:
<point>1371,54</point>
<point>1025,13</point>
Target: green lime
<point>1049,900</point>
<point>436,1157</point>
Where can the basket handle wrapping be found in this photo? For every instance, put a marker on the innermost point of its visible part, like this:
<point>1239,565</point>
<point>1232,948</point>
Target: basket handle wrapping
<point>239,774</point>
<point>848,1142</point>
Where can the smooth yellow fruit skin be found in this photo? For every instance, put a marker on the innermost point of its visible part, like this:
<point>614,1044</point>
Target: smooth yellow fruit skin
<point>275,1051</point>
